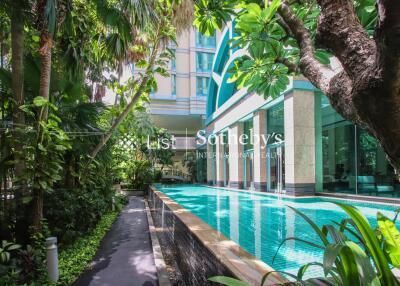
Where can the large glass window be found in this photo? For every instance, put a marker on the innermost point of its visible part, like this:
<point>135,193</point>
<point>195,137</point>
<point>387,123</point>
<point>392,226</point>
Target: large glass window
<point>352,160</point>
<point>201,165</point>
<point>248,154</point>
<point>226,159</point>
<point>204,62</point>
<point>202,84</point>
<point>248,131</point>
<point>275,124</point>
<point>203,41</point>
<point>173,61</point>
<point>173,84</point>
<point>339,171</point>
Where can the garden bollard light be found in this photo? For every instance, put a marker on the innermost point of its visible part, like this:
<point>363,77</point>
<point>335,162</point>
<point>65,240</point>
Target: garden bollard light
<point>52,259</point>
<point>113,204</point>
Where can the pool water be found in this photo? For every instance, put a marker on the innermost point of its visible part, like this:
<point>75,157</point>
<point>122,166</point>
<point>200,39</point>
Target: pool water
<point>259,223</point>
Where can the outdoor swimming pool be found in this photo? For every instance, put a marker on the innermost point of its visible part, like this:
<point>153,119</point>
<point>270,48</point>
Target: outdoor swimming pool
<point>259,223</point>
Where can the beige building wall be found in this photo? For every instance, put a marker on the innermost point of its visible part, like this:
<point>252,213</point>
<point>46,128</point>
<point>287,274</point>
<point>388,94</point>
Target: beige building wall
<point>182,112</point>
<point>299,142</point>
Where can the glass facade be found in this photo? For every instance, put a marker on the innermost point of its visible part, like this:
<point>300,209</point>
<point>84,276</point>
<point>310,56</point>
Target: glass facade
<point>275,124</point>
<point>352,160</point>
<point>276,148</point>
<point>201,165</point>
<point>226,159</point>
<point>248,154</point>
<point>173,84</point>
<point>248,131</point>
<point>204,62</point>
<point>202,84</point>
<point>173,61</point>
<point>203,41</point>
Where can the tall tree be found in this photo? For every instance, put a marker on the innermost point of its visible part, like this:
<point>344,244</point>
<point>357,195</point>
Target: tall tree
<point>17,17</point>
<point>290,37</point>
<point>17,62</point>
<point>46,21</point>
<point>172,16</point>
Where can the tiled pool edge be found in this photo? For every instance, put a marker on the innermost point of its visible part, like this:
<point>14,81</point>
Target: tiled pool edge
<point>228,258</point>
<point>162,273</point>
<point>322,195</point>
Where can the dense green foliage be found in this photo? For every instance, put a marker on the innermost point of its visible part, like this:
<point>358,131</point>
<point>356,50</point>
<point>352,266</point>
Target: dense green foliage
<point>274,53</point>
<point>61,148</point>
<point>19,265</point>
<point>190,162</point>
<point>137,160</point>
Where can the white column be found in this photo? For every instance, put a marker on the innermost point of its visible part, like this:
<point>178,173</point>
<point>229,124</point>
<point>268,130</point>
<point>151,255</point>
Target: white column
<point>235,156</point>
<point>260,164</point>
<point>299,143</point>
<point>210,156</point>
<point>220,160</point>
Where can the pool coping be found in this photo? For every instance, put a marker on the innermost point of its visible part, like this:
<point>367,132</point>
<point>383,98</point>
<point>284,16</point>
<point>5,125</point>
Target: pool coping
<point>245,266</point>
<point>338,196</point>
<point>162,273</point>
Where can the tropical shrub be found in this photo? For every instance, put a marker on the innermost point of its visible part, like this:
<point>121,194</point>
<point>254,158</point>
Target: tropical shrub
<point>354,252</point>
<point>19,266</point>
<point>73,212</point>
<point>138,155</point>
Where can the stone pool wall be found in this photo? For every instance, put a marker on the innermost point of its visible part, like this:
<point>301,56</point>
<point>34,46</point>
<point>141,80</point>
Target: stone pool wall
<point>195,261</point>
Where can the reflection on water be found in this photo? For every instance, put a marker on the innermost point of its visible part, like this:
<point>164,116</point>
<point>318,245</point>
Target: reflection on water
<point>259,223</point>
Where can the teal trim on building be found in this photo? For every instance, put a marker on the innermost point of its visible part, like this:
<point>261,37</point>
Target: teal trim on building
<point>220,92</point>
<point>303,85</point>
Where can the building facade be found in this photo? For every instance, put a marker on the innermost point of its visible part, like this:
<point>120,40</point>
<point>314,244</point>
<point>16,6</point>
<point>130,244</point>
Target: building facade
<point>179,104</point>
<point>294,144</point>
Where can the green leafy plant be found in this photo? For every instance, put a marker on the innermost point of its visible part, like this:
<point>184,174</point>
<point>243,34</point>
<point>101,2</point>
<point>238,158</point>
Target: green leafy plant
<point>6,249</point>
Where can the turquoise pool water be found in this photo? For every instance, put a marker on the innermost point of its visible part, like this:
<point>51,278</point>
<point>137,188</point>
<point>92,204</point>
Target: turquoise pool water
<point>259,223</point>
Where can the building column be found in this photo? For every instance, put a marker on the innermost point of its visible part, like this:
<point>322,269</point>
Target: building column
<point>299,143</point>
<point>235,156</point>
<point>210,156</point>
<point>260,157</point>
<point>219,155</point>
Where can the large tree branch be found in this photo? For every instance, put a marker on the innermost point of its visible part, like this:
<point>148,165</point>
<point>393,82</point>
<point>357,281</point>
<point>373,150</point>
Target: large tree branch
<point>292,67</point>
<point>387,37</point>
<point>340,31</point>
<point>366,88</point>
<point>319,74</point>
<point>138,93</point>
<point>335,83</point>
<point>388,26</point>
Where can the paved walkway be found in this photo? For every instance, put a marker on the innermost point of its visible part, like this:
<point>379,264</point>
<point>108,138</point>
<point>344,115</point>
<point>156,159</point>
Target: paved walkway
<point>125,256</point>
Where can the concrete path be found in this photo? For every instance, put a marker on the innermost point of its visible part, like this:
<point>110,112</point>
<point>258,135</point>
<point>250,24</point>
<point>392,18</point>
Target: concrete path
<point>125,257</point>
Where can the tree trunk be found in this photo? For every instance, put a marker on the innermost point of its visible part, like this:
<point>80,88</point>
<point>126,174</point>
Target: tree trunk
<point>46,43</point>
<point>17,42</point>
<point>135,98</point>
<point>366,88</point>
<point>69,170</point>
<point>17,65</point>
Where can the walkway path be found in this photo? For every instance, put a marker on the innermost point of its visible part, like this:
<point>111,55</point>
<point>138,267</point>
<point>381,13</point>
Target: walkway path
<point>125,257</point>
